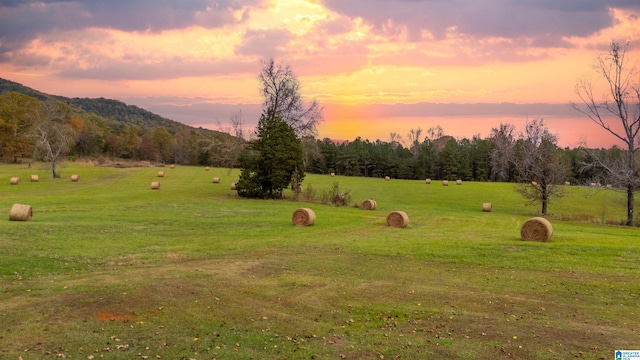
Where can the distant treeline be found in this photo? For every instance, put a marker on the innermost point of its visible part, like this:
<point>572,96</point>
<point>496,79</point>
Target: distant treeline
<point>445,158</point>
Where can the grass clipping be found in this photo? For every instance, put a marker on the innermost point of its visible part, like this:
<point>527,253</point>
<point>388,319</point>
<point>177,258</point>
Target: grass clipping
<point>398,219</point>
<point>20,212</point>
<point>303,217</point>
<point>536,229</point>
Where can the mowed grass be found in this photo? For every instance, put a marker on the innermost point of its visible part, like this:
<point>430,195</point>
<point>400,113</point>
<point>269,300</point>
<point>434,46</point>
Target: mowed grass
<point>109,268</point>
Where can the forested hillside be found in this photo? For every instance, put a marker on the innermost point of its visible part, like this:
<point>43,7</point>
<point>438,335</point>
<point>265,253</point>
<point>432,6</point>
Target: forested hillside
<point>102,128</point>
<point>105,108</point>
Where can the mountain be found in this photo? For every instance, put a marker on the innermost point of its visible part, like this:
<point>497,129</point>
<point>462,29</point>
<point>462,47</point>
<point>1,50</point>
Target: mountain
<point>109,109</point>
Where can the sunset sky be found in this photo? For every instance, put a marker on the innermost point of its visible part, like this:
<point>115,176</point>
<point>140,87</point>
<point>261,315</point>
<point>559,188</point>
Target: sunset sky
<point>376,66</point>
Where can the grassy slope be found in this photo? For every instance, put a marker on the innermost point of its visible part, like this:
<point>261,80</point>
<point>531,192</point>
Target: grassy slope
<point>191,271</point>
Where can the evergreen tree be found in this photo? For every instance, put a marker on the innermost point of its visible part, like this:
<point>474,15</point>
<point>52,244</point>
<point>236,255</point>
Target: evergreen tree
<point>271,161</point>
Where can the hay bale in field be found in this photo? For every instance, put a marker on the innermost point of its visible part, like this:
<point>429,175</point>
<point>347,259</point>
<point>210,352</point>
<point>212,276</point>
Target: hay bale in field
<point>15,181</point>
<point>386,178</point>
<point>369,204</point>
<point>566,183</point>
<point>172,166</point>
<point>34,178</point>
<point>20,212</point>
<point>75,178</point>
<point>160,173</point>
<point>333,174</point>
<point>534,183</point>
<point>216,180</point>
<point>303,217</point>
<point>207,168</point>
<point>234,186</point>
<point>458,182</point>
<point>428,181</point>
<point>593,185</point>
<point>445,182</point>
<point>536,229</point>
<point>486,207</point>
<point>398,219</point>
<point>155,185</point>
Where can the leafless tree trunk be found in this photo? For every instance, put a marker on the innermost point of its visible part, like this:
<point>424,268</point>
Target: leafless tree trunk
<point>414,141</point>
<point>539,164</point>
<point>280,89</point>
<point>502,152</point>
<point>617,112</point>
<point>52,132</point>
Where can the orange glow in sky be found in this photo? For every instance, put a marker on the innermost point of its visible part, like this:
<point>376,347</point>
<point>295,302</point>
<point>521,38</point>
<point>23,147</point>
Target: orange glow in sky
<point>376,67</point>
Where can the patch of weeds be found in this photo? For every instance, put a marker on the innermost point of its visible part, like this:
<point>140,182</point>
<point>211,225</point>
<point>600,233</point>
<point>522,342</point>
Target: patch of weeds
<point>336,197</point>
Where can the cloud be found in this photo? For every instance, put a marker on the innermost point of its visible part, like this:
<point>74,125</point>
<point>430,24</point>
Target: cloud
<point>491,18</point>
<point>22,21</point>
<point>172,68</point>
<point>265,43</point>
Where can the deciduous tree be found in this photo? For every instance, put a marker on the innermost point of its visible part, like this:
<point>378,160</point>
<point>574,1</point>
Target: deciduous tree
<point>540,166</point>
<point>54,131</point>
<point>618,113</point>
<point>280,89</point>
<point>16,118</point>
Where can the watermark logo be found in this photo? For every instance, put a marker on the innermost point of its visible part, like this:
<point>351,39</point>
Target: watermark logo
<point>627,354</point>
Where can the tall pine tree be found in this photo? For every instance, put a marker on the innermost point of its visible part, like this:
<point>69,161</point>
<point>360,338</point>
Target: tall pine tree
<point>271,162</point>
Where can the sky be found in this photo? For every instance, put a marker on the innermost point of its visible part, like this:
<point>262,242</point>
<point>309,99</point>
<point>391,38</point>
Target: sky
<point>376,66</point>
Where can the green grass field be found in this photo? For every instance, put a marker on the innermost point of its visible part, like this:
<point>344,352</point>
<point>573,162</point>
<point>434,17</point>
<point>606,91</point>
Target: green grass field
<point>109,268</point>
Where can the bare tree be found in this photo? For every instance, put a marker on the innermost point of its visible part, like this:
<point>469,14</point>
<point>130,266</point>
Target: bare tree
<point>501,155</point>
<point>395,139</point>
<point>280,89</point>
<point>617,112</point>
<point>225,149</point>
<point>53,132</point>
<point>414,141</point>
<point>538,161</point>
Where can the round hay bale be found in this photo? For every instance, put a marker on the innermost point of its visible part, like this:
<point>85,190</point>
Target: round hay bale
<point>160,173</point>
<point>445,182</point>
<point>20,212</point>
<point>75,178</point>
<point>428,181</point>
<point>34,178</point>
<point>216,180</point>
<point>386,178</point>
<point>333,174</point>
<point>207,168</point>
<point>303,217</point>
<point>398,219</point>
<point>566,183</point>
<point>536,229</point>
<point>234,186</point>
<point>369,204</point>
<point>15,181</point>
<point>458,182</point>
<point>172,166</point>
<point>486,207</point>
<point>155,185</point>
